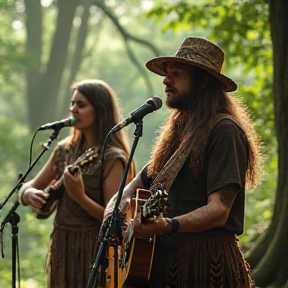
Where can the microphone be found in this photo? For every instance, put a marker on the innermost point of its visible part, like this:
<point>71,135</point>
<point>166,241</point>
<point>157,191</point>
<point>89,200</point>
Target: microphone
<point>57,125</point>
<point>151,104</point>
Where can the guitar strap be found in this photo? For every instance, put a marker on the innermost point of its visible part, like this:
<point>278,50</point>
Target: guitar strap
<point>168,173</point>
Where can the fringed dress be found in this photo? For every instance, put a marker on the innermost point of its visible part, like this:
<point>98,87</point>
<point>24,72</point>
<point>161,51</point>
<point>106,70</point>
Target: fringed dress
<point>73,246</point>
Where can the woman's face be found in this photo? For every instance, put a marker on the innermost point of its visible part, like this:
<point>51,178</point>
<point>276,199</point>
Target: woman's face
<point>83,111</point>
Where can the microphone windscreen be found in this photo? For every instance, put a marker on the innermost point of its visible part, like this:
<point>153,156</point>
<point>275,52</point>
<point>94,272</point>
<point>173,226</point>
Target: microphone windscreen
<point>156,102</point>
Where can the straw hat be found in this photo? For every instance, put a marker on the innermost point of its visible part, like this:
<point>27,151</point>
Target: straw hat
<point>198,52</point>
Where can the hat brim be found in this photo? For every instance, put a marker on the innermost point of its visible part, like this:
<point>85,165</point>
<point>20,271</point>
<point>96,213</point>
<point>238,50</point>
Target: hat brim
<point>156,65</point>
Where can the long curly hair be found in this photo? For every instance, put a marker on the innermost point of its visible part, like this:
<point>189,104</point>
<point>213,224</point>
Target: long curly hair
<point>193,125</point>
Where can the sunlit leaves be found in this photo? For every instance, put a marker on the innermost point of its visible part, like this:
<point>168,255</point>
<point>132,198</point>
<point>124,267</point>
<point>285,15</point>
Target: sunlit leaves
<point>11,52</point>
<point>241,29</point>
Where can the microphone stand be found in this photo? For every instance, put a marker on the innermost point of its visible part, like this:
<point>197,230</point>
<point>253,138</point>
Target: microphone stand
<point>13,218</point>
<point>97,276</point>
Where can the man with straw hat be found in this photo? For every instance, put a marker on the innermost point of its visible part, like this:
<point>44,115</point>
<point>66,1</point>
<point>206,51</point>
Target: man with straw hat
<point>206,155</point>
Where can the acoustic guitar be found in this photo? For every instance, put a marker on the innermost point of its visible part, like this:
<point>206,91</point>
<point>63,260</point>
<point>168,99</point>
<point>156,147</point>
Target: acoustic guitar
<point>135,255</point>
<point>55,191</point>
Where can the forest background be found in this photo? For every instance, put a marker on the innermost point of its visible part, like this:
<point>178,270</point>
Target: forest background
<point>47,45</point>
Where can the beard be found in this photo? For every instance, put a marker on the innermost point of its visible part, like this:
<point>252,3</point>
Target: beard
<point>183,100</point>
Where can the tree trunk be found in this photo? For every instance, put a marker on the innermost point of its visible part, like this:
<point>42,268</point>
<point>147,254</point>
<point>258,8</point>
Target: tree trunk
<point>76,55</point>
<point>272,267</point>
<point>43,87</point>
<point>34,52</point>
<point>47,86</point>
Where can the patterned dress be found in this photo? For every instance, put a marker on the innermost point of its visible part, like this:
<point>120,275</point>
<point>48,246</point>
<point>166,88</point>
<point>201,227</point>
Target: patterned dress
<point>73,246</point>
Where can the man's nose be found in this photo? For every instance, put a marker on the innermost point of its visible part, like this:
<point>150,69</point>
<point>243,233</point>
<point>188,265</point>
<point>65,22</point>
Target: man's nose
<point>167,79</point>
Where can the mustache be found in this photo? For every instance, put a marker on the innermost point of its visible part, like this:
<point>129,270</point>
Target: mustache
<point>170,89</point>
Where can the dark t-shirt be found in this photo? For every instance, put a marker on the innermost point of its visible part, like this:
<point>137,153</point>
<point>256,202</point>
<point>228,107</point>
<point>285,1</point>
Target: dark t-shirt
<point>225,162</point>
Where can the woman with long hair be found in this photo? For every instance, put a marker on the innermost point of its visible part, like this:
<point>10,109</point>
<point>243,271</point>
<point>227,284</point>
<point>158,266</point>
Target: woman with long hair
<point>84,183</point>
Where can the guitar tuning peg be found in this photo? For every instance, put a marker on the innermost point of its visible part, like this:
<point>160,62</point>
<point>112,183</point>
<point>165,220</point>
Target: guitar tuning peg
<point>160,186</point>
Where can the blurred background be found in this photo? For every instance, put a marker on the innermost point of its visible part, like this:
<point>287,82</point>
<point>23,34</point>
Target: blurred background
<point>47,45</point>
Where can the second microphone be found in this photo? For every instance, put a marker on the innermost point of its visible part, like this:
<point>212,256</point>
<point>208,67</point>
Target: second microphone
<point>152,104</point>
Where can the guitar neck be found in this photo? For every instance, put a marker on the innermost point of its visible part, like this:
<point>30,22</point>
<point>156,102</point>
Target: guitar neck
<point>53,188</point>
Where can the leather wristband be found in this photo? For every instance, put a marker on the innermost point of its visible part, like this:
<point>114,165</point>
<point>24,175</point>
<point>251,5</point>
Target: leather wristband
<point>175,226</point>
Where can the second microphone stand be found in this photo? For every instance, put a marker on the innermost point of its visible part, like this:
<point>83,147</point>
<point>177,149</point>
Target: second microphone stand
<point>97,278</point>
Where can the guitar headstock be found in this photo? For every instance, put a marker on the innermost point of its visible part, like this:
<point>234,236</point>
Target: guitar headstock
<point>155,205</point>
<point>88,158</point>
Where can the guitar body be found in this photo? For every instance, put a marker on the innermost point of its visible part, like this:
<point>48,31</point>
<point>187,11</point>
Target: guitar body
<point>135,256</point>
<point>141,250</point>
<point>137,273</point>
<point>141,262</point>
<point>56,191</point>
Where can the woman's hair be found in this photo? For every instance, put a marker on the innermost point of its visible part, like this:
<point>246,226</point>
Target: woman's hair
<point>194,126</point>
<point>104,100</point>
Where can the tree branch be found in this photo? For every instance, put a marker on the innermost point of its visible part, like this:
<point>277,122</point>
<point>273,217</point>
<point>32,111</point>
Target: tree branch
<point>128,37</point>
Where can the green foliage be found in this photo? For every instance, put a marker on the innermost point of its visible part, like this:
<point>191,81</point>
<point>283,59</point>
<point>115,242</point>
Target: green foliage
<point>3,2</point>
<point>241,29</point>
<point>33,235</point>
<point>11,50</point>
<point>260,203</point>
<point>106,59</point>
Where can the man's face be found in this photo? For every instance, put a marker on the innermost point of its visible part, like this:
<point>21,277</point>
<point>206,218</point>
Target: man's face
<point>178,82</point>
